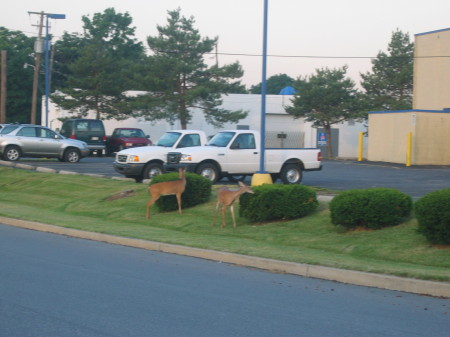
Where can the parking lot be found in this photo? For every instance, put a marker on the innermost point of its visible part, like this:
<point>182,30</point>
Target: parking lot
<point>336,174</point>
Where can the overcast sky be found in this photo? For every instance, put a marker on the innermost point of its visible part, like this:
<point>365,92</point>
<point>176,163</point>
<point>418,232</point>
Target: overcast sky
<point>310,34</point>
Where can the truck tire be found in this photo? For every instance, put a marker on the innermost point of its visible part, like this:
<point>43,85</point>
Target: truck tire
<point>152,169</point>
<point>291,174</point>
<point>209,171</point>
<point>12,153</point>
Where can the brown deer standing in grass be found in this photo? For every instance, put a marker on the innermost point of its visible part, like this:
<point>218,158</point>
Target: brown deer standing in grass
<point>226,197</point>
<point>176,187</point>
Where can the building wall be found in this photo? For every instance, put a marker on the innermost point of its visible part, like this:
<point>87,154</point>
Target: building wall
<point>432,142</point>
<point>388,134</point>
<point>432,70</point>
<point>300,133</point>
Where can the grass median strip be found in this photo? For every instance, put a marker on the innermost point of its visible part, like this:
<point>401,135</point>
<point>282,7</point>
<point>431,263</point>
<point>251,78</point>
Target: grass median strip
<point>79,202</point>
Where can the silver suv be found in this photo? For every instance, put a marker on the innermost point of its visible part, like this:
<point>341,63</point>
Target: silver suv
<point>28,140</point>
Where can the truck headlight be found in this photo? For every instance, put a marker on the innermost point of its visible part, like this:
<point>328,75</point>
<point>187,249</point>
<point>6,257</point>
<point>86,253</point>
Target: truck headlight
<point>186,157</point>
<point>133,159</point>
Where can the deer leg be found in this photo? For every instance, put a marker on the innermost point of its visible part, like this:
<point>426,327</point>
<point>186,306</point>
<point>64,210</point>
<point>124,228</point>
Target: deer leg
<point>150,203</point>
<point>224,208</point>
<point>232,215</point>
<point>216,213</point>
<point>179,203</point>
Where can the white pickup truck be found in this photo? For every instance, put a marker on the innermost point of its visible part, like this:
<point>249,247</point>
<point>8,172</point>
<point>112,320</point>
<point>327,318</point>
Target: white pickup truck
<point>147,161</point>
<point>236,154</point>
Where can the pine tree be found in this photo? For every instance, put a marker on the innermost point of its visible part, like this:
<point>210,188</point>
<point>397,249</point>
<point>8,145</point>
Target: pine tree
<point>389,85</point>
<point>178,79</point>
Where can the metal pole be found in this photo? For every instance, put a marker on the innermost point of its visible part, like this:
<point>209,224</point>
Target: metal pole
<point>4,54</point>
<point>46,71</point>
<point>263,91</point>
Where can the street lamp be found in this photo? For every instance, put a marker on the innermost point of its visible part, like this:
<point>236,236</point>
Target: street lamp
<point>262,176</point>
<point>47,48</point>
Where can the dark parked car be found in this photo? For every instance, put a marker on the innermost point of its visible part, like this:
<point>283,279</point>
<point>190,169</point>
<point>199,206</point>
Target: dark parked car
<point>90,131</point>
<point>29,140</point>
<point>124,138</point>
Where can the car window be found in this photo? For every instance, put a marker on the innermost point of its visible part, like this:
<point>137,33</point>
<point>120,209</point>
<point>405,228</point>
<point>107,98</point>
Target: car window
<point>66,127</point>
<point>168,139</point>
<point>244,141</point>
<point>221,139</point>
<point>96,125</point>
<point>8,128</point>
<point>27,132</point>
<point>46,133</point>
<point>83,126</point>
<point>189,140</point>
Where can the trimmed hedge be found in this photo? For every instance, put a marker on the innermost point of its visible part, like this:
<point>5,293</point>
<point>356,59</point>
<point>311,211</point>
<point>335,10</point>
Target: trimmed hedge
<point>198,191</point>
<point>372,208</point>
<point>272,202</point>
<point>433,214</point>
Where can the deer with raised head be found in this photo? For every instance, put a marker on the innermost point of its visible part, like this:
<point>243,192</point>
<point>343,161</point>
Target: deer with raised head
<point>227,197</point>
<point>176,187</point>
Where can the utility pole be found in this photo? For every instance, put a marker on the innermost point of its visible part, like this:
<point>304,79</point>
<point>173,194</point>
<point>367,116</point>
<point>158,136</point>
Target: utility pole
<point>3,88</point>
<point>38,49</point>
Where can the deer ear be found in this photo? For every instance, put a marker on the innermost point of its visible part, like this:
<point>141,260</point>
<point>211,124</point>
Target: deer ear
<point>241,183</point>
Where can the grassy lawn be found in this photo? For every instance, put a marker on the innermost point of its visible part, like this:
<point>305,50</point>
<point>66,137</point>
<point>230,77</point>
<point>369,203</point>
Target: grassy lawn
<point>77,201</point>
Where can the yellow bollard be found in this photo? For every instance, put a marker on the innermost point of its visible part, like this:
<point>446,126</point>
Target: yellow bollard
<point>360,146</point>
<point>409,149</point>
<point>261,178</point>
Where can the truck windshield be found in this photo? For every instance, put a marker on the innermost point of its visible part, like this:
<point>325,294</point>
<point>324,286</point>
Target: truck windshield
<point>168,139</point>
<point>221,139</point>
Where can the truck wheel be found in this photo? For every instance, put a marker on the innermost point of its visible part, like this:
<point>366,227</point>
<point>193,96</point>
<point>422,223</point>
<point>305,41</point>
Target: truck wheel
<point>209,171</point>
<point>291,174</point>
<point>12,153</point>
<point>72,156</point>
<point>152,169</point>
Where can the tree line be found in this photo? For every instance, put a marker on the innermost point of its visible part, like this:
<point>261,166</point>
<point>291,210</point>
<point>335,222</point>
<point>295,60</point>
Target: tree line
<point>98,70</point>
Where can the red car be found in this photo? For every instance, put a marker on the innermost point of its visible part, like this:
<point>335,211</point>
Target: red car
<point>124,138</point>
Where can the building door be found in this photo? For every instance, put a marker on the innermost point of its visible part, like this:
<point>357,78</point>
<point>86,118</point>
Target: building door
<point>322,142</point>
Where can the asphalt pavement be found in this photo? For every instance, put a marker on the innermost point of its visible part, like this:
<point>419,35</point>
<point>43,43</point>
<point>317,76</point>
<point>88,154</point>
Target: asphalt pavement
<point>336,175</point>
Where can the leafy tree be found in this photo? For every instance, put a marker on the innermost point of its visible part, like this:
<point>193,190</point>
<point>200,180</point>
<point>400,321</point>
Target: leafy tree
<point>19,88</point>
<point>103,71</point>
<point>274,84</point>
<point>325,98</point>
<point>178,79</point>
<point>389,85</point>
<point>66,51</point>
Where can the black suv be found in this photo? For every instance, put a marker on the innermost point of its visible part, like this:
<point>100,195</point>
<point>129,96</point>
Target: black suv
<point>90,131</point>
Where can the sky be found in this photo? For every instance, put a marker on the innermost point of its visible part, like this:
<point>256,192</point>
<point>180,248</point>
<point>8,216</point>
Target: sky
<point>302,35</point>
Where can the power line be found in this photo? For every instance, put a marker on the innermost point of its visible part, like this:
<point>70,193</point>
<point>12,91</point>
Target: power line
<point>324,57</point>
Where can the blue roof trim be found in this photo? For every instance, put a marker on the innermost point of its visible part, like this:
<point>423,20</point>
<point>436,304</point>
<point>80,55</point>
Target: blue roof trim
<point>416,110</point>
<point>434,31</point>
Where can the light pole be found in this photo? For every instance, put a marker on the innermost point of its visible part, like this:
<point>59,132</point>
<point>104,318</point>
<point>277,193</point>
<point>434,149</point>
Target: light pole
<point>47,72</point>
<point>262,176</point>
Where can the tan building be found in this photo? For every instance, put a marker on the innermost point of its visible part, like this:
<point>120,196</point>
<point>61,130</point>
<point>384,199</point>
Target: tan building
<point>432,70</point>
<point>430,137</point>
<point>420,136</point>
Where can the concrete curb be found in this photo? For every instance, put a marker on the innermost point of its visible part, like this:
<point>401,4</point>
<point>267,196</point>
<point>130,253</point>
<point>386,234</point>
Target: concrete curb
<point>431,288</point>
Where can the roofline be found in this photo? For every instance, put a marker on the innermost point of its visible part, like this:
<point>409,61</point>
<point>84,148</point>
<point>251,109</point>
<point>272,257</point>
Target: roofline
<point>433,31</point>
<point>445,111</point>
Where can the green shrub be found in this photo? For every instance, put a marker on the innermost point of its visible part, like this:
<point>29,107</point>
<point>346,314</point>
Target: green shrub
<point>271,202</point>
<point>198,191</point>
<point>433,214</point>
<point>372,208</point>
